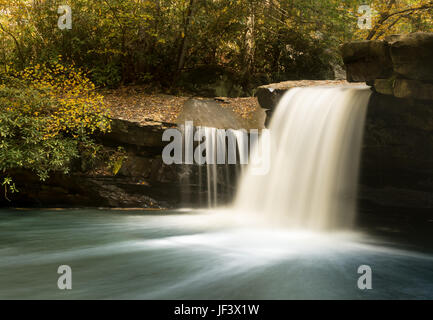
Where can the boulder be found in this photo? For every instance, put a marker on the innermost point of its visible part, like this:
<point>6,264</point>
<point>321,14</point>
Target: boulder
<point>210,113</point>
<point>404,88</point>
<point>401,65</point>
<point>366,60</point>
<point>269,96</point>
<point>412,55</point>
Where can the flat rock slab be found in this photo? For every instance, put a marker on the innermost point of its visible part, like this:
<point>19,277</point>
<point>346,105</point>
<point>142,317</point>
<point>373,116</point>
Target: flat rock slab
<point>269,95</point>
<point>217,114</point>
<point>135,104</point>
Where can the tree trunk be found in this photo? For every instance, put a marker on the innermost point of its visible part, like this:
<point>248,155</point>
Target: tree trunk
<point>20,53</point>
<point>250,40</point>
<point>249,45</point>
<point>185,37</point>
<point>384,17</point>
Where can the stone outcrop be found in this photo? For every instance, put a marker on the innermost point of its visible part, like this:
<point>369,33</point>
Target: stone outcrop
<point>143,181</point>
<point>367,60</point>
<point>400,65</point>
<point>404,88</point>
<point>398,146</point>
<point>269,95</point>
<point>397,158</point>
<point>412,55</point>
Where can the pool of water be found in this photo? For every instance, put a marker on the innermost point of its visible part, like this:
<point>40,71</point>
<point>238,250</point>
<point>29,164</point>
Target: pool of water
<point>196,255</point>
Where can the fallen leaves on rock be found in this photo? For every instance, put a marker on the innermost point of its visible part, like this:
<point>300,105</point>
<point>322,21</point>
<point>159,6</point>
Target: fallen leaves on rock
<point>135,105</point>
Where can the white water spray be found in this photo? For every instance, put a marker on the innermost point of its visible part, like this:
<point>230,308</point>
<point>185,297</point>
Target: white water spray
<point>218,152</point>
<point>316,136</point>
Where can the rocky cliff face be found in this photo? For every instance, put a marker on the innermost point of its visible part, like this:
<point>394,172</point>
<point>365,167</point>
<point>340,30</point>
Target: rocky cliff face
<point>398,146</point>
<point>143,181</point>
<point>397,159</point>
<point>401,65</point>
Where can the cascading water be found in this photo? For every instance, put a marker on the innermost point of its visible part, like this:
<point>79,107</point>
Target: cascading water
<point>316,136</point>
<point>215,170</point>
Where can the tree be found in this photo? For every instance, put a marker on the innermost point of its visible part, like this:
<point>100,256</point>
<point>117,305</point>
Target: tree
<point>399,16</point>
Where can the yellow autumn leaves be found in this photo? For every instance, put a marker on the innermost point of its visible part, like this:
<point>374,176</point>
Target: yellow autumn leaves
<point>398,16</point>
<point>75,108</point>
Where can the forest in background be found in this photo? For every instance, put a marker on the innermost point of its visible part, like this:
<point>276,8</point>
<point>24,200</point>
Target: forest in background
<point>178,43</point>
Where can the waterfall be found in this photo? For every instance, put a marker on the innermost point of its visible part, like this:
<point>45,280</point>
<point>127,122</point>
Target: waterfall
<point>316,136</point>
<point>211,139</point>
<point>211,158</point>
<point>217,142</point>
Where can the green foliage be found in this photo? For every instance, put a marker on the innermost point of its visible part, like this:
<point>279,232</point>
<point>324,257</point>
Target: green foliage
<point>116,160</point>
<point>130,41</point>
<point>155,41</point>
<point>106,75</point>
<point>9,186</point>
<point>24,144</point>
<point>47,117</point>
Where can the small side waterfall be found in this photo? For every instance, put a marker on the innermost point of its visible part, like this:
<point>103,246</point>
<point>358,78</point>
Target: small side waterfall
<point>216,154</point>
<point>316,136</point>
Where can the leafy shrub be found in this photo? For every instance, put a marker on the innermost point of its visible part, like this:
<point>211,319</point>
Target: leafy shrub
<point>108,75</point>
<point>48,114</point>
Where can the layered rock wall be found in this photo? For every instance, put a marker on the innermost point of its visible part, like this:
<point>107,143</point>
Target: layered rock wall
<point>400,65</point>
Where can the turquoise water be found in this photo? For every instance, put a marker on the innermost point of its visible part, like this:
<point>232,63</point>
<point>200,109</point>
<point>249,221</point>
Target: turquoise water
<point>193,255</point>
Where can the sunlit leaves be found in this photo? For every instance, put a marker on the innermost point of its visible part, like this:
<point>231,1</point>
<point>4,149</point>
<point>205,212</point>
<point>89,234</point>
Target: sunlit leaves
<point>47,114</point>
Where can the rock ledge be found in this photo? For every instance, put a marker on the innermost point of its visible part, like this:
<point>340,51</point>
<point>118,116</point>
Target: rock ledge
<point>400,65</point>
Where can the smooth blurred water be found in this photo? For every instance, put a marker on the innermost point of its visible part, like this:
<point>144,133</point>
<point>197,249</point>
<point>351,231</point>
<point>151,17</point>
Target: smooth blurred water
<point>184,255</point>
<point>316,137</point>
